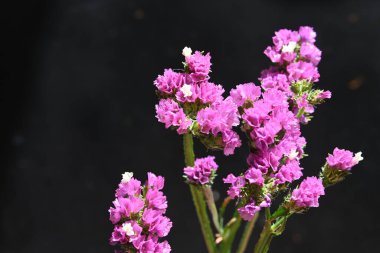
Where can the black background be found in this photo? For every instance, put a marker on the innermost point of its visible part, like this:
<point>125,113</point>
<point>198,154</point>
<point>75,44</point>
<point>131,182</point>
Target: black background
<point>78,110</point>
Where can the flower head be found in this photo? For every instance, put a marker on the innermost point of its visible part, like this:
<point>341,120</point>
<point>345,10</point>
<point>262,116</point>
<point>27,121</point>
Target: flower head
<point>308,193</point>
<point>138,218</point>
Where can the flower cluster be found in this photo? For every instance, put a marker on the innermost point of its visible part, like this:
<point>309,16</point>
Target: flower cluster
<point>308,193</point>
<point>296,59</point>
<point>189,102</point>
<point>138,215</point>
<point>338,165</point>
<point>203,171</point>
<point>342,159</point>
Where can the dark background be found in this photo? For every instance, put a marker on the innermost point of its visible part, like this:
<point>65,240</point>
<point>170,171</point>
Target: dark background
<point>78,110</point>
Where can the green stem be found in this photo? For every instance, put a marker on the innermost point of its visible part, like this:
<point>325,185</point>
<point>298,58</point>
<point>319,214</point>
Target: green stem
<point>229,233</point>
<point>247,234</point>
<point>198,199</point>
<point>265,239</point>
<point>209,197</point>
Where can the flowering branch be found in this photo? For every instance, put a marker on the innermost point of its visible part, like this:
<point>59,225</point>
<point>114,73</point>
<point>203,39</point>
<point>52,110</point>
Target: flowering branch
<point>270,115</point>
<point>198,198</point>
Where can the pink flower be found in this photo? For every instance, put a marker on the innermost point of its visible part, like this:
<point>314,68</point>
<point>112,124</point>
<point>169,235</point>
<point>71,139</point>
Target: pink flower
<point>169,81</point>
<point>324,95</point>
<point>275,81</point>
<point>199,65</point>
<point>131,188</point>
<point>237,183</point>
<point>156,199</point>
<point>254,176</point>
<point>219,117</point>
<point>202,171</point>
<point>307,34</point>
<point>342,159</point>
<point>248,211</point>
<point>210,93</point>
<point>132,212</point>
<point>302,70</point>
<point>187,93</point>
<point>311,53</point>
<point>308,193</point>
<point>245,92</point>
<point>155,182</point>
<point>231,141</point>
<point>169,113</point>
<point>255,116</point>
<point>289,172</point>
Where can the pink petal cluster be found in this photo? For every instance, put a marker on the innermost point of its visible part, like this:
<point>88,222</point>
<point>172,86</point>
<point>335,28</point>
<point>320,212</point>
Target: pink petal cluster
<point>245,92</point>
<point>248,211</point>
<point>302,70</point>
<point>289,172</point>
<point>237,185</point>
<point>289,46</point>
<point>170,81</point>
<point>199,65</point>
<point>202,172</point>
<point>308,193</point>
<point>219,119</point>
<point>138,215</point>
<point>172,115</point>
<point>342,159</point>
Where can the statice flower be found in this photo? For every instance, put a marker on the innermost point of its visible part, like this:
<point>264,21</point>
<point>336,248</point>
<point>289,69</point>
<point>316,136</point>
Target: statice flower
<point>342,159</point>
<point>245,92</point>
<point>203,171</point>
<point>219,117</point>
<point>199,65</point>
<point>308,193</point>
<point>187,93</point>
<point>248,211</point>
<point>169,82</point>
<point>302,70</point>
<point>172,115</point>
<point>210,93</point>
<point>289,172</point>
<point>254,176</point>
<point>307,34</point>
<point>338,166</point>
<point>138,215</point>
<point>236,185</point>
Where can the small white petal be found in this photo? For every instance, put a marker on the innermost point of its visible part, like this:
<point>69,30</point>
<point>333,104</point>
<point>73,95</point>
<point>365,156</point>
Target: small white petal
<point>126,177</point>
<point>186,90</point>
<point>358,157</point>
<point>186,51</point>
<point>293,154</point>
<point>289,48</point>
<point>128,229</point>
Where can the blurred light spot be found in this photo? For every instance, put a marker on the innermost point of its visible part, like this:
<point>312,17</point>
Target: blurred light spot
<point>297,238</point>
<point>353,18</point>
<point>139,14</point>
<point>356,83</point>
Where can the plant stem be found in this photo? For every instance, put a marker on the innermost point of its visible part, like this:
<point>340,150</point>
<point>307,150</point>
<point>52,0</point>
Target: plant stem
<point>198,199</point>
<point>229,233</point>
<point>209,197</point>
<point>247,234</point>
<point>265,239</point>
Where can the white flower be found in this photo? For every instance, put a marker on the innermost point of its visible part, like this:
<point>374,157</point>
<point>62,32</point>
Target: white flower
<point>186,51</point>
<point>289,48</point>
<point>126,177</point>
<point>128,229</point>
<point>186,90</point>
<point>358,157</point>
<point>293,154</point>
